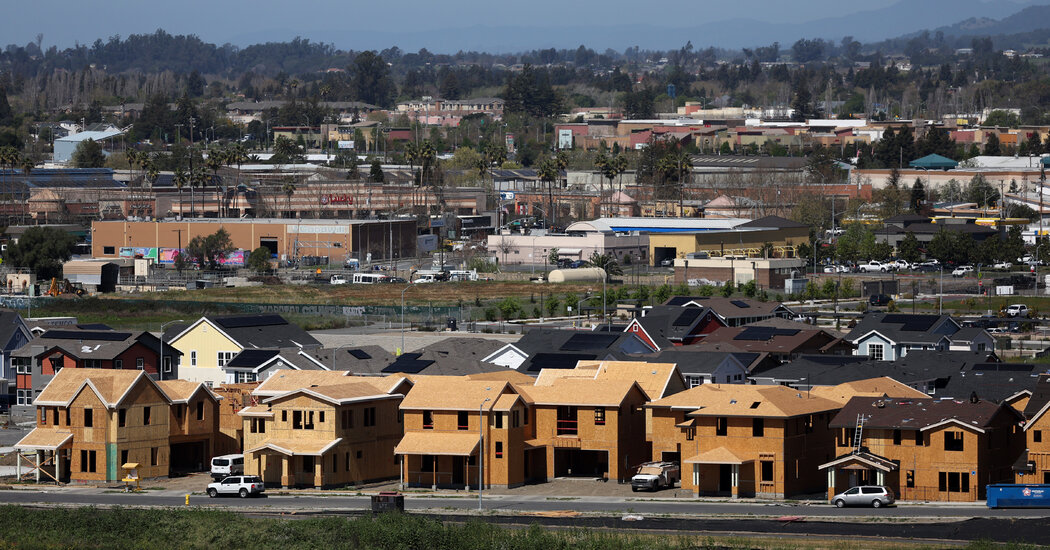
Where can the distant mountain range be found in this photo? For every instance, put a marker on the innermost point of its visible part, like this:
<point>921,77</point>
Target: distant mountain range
<point>902,18</point>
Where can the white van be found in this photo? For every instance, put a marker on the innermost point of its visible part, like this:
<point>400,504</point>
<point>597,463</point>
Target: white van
<point>227,465</point>
<point>368,278</point>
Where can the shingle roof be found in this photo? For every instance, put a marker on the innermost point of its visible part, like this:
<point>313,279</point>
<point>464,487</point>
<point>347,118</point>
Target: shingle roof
<point>668,324</point>
<point>729,308</point>
<point>916,414</point>
<point>553,349</point>
<point>905,328</point>
<point>771,339</point>
<point>266,331</point>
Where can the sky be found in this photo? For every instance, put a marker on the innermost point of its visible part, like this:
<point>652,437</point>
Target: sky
<point>440,26</point>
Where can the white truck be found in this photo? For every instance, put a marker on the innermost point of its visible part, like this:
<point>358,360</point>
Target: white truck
<point>874,266</point>
<point>652,476</point>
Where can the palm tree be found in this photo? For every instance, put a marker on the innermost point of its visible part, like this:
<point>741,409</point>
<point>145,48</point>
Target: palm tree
<point>549,172</point>
<point>607,262</point>
<point>180,179</point>
<point>198,178</point>
<point>216,160</point>
<point>238,155</point>
<point>619,165</point>
<point>427,159</point>
<point>289,188</point>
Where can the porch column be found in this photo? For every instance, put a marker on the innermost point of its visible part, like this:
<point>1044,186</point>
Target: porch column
<point>56,454</point>
<point>880,477</point>
<point>735,480</point>
<point>434,478</point>
<point>696,480</point>
<point>262,467</point>
<point>39,460</point>
<point>319,472</point>
<point>285,476</point>
<point>401,466</point>
<point>466,473</point>
<point>831,482</point>
<point>18,465</point>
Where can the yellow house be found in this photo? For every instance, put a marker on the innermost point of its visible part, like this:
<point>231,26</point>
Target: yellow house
<point>211,342</point>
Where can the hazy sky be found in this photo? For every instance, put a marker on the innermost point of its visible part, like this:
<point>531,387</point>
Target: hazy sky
<point>242,22</point>
<point>64,22</point>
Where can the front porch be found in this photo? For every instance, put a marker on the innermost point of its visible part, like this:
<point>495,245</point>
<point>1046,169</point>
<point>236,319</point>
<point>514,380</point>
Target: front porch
<point>720,472</point>
<point>289,464</point>
<point>861,468</point>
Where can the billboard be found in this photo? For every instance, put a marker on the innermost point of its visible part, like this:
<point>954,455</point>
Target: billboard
<point>564,139</point>
<point>346,144</point>
<point>510,143</point>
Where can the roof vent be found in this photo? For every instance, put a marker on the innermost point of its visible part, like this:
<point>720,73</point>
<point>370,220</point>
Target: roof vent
<point>880,404</point>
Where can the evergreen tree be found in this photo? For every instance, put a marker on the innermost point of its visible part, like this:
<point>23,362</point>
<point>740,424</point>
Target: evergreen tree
<point>375,173</point>
<point>6,115</point>
<point>918,196</point>
<point>88,154</point>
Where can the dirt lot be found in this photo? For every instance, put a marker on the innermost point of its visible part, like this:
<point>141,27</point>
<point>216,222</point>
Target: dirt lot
<point>388,294</point>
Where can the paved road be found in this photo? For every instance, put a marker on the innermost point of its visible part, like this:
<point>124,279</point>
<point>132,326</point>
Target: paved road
<point>506,504</point>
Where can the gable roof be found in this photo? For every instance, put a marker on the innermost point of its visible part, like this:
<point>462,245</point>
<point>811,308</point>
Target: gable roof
<point>352,390</point>
<point>111,386</point>
<point>904,328</point>
<point>182,391</point>
<point>772,339</point>
<point>579,392</point>
<point>286,380</point>
<point>670,324</point>
<point>869,387</point>
<point>258,359</point>
<point>253,331</point>
<point>917,414</point>
<point>563,349</point>
<point>745,400</point>
<point>355,359</point>
<point>10,323</point>
<point>453,393</point>
<point>730,308</point>
<point>655,379</point>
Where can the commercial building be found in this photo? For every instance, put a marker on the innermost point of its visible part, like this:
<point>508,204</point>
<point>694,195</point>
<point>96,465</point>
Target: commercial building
<point>286,239</point>
<point>770,236</point>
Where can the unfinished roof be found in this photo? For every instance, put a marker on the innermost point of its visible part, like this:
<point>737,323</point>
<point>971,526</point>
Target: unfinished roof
<point>580,392</point>
<point>746,401</point>
<point>653,378</point>
<point>350,391</point>
<point>719,455</point>
<point>453,393</point>
<point>438,443</point>
<point>110,385</point>
<point>871,387</point>
<point>297,447</point>
<point>256,411</point>
<point>286,380</point>
<point>181,391</point>
<point>45,439</point>
<point>512,376</point>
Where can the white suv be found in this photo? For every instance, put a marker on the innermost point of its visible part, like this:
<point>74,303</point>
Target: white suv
<point>962,270</point>
<point>1017,310</point>
<point>243,486</point>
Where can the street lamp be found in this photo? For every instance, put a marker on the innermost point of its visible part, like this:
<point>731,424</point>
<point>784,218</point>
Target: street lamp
<point>161,373</point>
<point>403,317</point>
<point>336,350</point>
<point>481,448</point>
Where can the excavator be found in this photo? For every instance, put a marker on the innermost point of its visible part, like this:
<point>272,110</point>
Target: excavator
<point>63,288</point>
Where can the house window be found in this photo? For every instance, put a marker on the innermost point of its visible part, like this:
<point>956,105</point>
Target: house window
<point>284,416</point>
<point>896,437</point>
<point>320,417</point>
<point>599,416</point>
<point>722,426</point>
<point>167,364</point>
<point>109,250</point>
<point>43,416</point>
<point>122,418</point>
<point>462,420</point>
<point>140,363</point>
<point>193,358</point>
<point>22,366</point>
<point>953,482</point>
<point>124,456</point>
<point>25,397</point>
<point>694,381</point>
<point>497,420</point>
<point>370,417</point>
<point>308,464</point>
<point>223,357</point>
<point>953,441</point>
<point>910,479</point>
<point>308,420</point>
<point>258,425</point>
<point>767,470</point>
<point>566,421</point>
<point>875,351</point>
<point>428,420</point>
<point>515,419</point>
<point>690,433</point>
<point>118,364</point>
<point>87,461</point>
<point>499,449</point>
<point>980,346</point>
<point>297,420</point>
<point>88,364</point>
<point>67,417</point>
<point>348,419</point>
<point>89,418</point>
<point>1037,436</point>
<point>919,439</point>
<point>153,455</point>
<point>55,416</point>
<point>758,427</point>
<point>146,412</point>
<point>200,410</point>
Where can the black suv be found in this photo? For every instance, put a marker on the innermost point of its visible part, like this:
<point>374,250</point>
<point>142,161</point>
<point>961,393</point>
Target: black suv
<point>879,300</point>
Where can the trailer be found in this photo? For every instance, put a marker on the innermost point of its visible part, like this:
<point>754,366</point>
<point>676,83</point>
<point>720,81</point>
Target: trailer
<point>1018,495</point>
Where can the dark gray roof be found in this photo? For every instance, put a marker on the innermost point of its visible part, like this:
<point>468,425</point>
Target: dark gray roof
<point>553,348</point>
<point>688,362</point>
<point>252,358</point>
<point>671,324</point>
<point>10,323</point>
<point>730,308</point>
<point>915,414</point>
<point>1040,396</point>
<point>265,331</point>
<point>356,359</point>
<point>905,327</point>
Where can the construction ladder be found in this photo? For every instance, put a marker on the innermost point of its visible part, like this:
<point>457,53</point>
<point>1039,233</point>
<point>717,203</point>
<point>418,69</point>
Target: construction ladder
<point>858,433</point>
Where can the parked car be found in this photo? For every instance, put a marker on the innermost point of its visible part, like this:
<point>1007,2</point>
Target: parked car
<point>962,271</point>
<point>875,496</point>
<point>227,465</point>
<point>242,486</point>
<point>654,475</point>
<point>1017,310</point>
<point>1002,265</point>
<point>925,268</point>
<point>337,280</point>
<point>900,264</point>
<point>577,263</point>
<point>667,262</point>
<point>874,267</point>
<point>879,300</point>
<point>831,269</point>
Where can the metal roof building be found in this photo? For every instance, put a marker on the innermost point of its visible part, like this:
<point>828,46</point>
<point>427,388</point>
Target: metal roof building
<point>64,147</point>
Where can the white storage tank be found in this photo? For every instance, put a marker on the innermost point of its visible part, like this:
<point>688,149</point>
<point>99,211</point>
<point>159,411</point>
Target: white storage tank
<point>583,274</point>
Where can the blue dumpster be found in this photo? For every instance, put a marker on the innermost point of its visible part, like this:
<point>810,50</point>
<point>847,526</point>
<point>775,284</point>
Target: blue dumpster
<point>1011,495</point>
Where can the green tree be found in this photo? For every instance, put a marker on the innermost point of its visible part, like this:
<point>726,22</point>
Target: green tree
<point>375,172</point>
<point>370,80</point>
<point>41,250</point>
<point>552,304</point>
<point>259,260</point>
<point>992,146</point>
<point>208,250</point>
<point>553,257</point>
<point>918,196</point>
<point>88,154</point>
<point>607,262</point>
<point>509,307</point>
<point>908,250</point>
<point>728,289</point>
<point>750,288</point>
<point>662,293</point>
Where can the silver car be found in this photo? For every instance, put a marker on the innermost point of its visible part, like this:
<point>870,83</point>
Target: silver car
<point>875,496</point>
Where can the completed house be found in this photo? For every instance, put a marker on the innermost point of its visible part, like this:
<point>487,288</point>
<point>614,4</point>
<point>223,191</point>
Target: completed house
<point>734,312</point>
<point>664,326</point>
<point>14,334</point>
<point>890,336</point>
<point>210,343</point>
